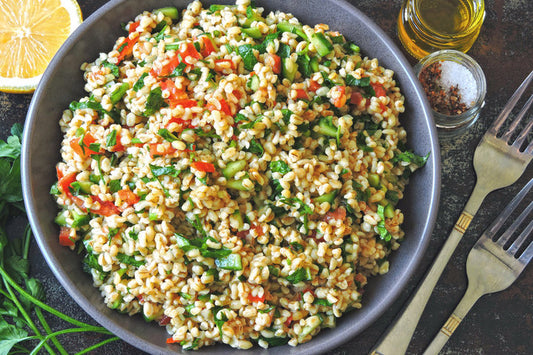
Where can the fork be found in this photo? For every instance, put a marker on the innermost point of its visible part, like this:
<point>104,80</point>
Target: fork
<point>498,161</point>
<point>489,266</point>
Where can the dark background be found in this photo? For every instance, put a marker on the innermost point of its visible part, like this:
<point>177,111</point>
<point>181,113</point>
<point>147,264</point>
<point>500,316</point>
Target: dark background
<point>501,323</point>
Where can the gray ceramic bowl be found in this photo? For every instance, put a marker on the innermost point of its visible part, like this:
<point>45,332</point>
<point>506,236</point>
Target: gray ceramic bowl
<point>63,83</point>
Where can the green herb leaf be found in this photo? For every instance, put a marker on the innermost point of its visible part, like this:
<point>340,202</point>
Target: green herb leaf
<point>302,274</point>
<point>112,67</point>
<point>167,135</point>
<point>279,166</point>
<point>129,260</point>
<point>10,335</point>
<point>139,84</point>
<point>256,147</point>
<point>164,170</point>
<point>248,57</point>
<point>111,139</point>
<point>410,157</point>
<point>154,102</point>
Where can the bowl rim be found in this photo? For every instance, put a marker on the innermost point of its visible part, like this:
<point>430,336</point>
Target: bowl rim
<point>130,337</point>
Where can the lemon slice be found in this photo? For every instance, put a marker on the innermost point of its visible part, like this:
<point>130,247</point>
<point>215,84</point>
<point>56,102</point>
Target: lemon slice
<point>31,32</point>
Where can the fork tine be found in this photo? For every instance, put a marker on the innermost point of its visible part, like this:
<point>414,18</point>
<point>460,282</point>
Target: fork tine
<point>510,104</point>
<point>508,210</point>
<point>512,228</point>
<point>516,122</point>
<point>525,233</point>
<point>527,255</point>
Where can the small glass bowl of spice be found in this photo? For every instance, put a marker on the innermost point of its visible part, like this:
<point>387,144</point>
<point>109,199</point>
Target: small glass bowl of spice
<point>455,86</point>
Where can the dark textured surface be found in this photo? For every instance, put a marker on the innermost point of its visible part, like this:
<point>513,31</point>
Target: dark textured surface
<point>499,323</point>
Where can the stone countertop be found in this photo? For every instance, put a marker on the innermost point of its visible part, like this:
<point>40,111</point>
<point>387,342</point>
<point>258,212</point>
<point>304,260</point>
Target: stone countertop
<point>500,323</point>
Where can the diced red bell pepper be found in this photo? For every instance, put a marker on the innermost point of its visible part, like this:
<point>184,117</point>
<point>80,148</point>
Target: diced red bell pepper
<point>314,86</point>
<point>183,123</point>
<point>208,46</point>
<point>189,50</point>
<point>166,69</point>
<point>356,98</point>
<point>164,320</point>
<point>128,196</point>
<point>301,94</point>
<point>383,107</point>
<point>118,147</point>
<point>256,298</point>
<point>340,100</point>
<point>339,213</point>
<point>288,321</point>
<point>64,237</point>
<point>85,151</point>
<point>224,107</point>
<point>274,61</point>
<point>126,48</point>
<point>379,90</point>
<point>133,26</point>
<point>155,149</point>
<point>107,208</point>
<point>64,186</point>
<point>182,102</point>
<point>172,341</point>
<point>59,173</point>
<point>203,166</point>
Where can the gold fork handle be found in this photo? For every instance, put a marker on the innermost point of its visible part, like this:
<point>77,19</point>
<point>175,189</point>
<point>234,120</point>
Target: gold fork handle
<point>396,339</point>
<point>469,299</point>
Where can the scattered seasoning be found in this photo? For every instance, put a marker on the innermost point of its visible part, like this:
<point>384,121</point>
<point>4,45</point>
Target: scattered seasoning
<point>444,95</point>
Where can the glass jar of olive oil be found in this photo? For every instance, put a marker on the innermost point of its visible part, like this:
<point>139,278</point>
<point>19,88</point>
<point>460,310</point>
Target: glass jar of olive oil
<point>425,26</point>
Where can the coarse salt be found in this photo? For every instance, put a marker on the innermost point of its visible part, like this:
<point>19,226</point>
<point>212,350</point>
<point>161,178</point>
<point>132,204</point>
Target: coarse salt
<point>455,74</point>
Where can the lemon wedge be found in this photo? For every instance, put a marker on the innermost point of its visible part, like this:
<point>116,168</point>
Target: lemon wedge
<point>31,32</point>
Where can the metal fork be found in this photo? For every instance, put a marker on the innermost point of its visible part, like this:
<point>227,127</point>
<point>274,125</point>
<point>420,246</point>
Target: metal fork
<point>489,266</point>
<point>498,162</point>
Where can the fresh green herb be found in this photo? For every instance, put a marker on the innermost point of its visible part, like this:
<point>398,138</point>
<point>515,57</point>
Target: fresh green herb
<point>113,69</point>
<point>297,247</point>
<point>275,341</point>
<point>256,147</point>
<point>167,135</point>
<point>248,57</point>
<point>220,317</point>
<point>111,139</point>
<point>179,70</point>
<point>410,157</point>
<point>114,185</point>
<point>160,29</point>
<point>363,82</point>
<point>92,104</point>
<point>327,81</point>
<point>129,260</point>
<point>279,166</point>
<point>158,171</point>
<point>139,84</point>
<point>136,141</point>
<point>23,296</point>
<point>361,143</point>
<point>392,196</point>
<point>322,302</point>
<point>154,102</point>
<point>201,133</point>
<point>119,93</point>
<point>133,234</point>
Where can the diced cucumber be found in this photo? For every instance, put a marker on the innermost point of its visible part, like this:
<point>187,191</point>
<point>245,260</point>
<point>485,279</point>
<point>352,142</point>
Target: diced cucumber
<point>253,32</point>
<point>119,93</point>
<point>233,168</point>
<point>169,11</point>
<point>253,83</point>
<point>79,220</point>
<point>388,211</point>
<point>327,129</point>
<point>230,262</point>
<point>237,185</point>
<point>321,43</point>
<point>329,197</point>
<point>61,218</point>
<point>314,64</point>
<point>218,7</point>
<point>181,241</point>
<point>238,217</point>
<point>289,27</point>
<point>116,303</point>
<point>373,180</point>
<point>289,69</point>
<point>85,186</point>
<point>307,329</point>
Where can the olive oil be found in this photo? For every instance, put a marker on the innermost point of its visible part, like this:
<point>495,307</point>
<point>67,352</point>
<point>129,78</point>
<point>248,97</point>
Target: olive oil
<point>425,26</point>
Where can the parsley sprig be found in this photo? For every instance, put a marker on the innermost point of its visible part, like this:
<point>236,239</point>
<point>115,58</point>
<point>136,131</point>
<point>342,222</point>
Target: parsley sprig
<point>22,322</point>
